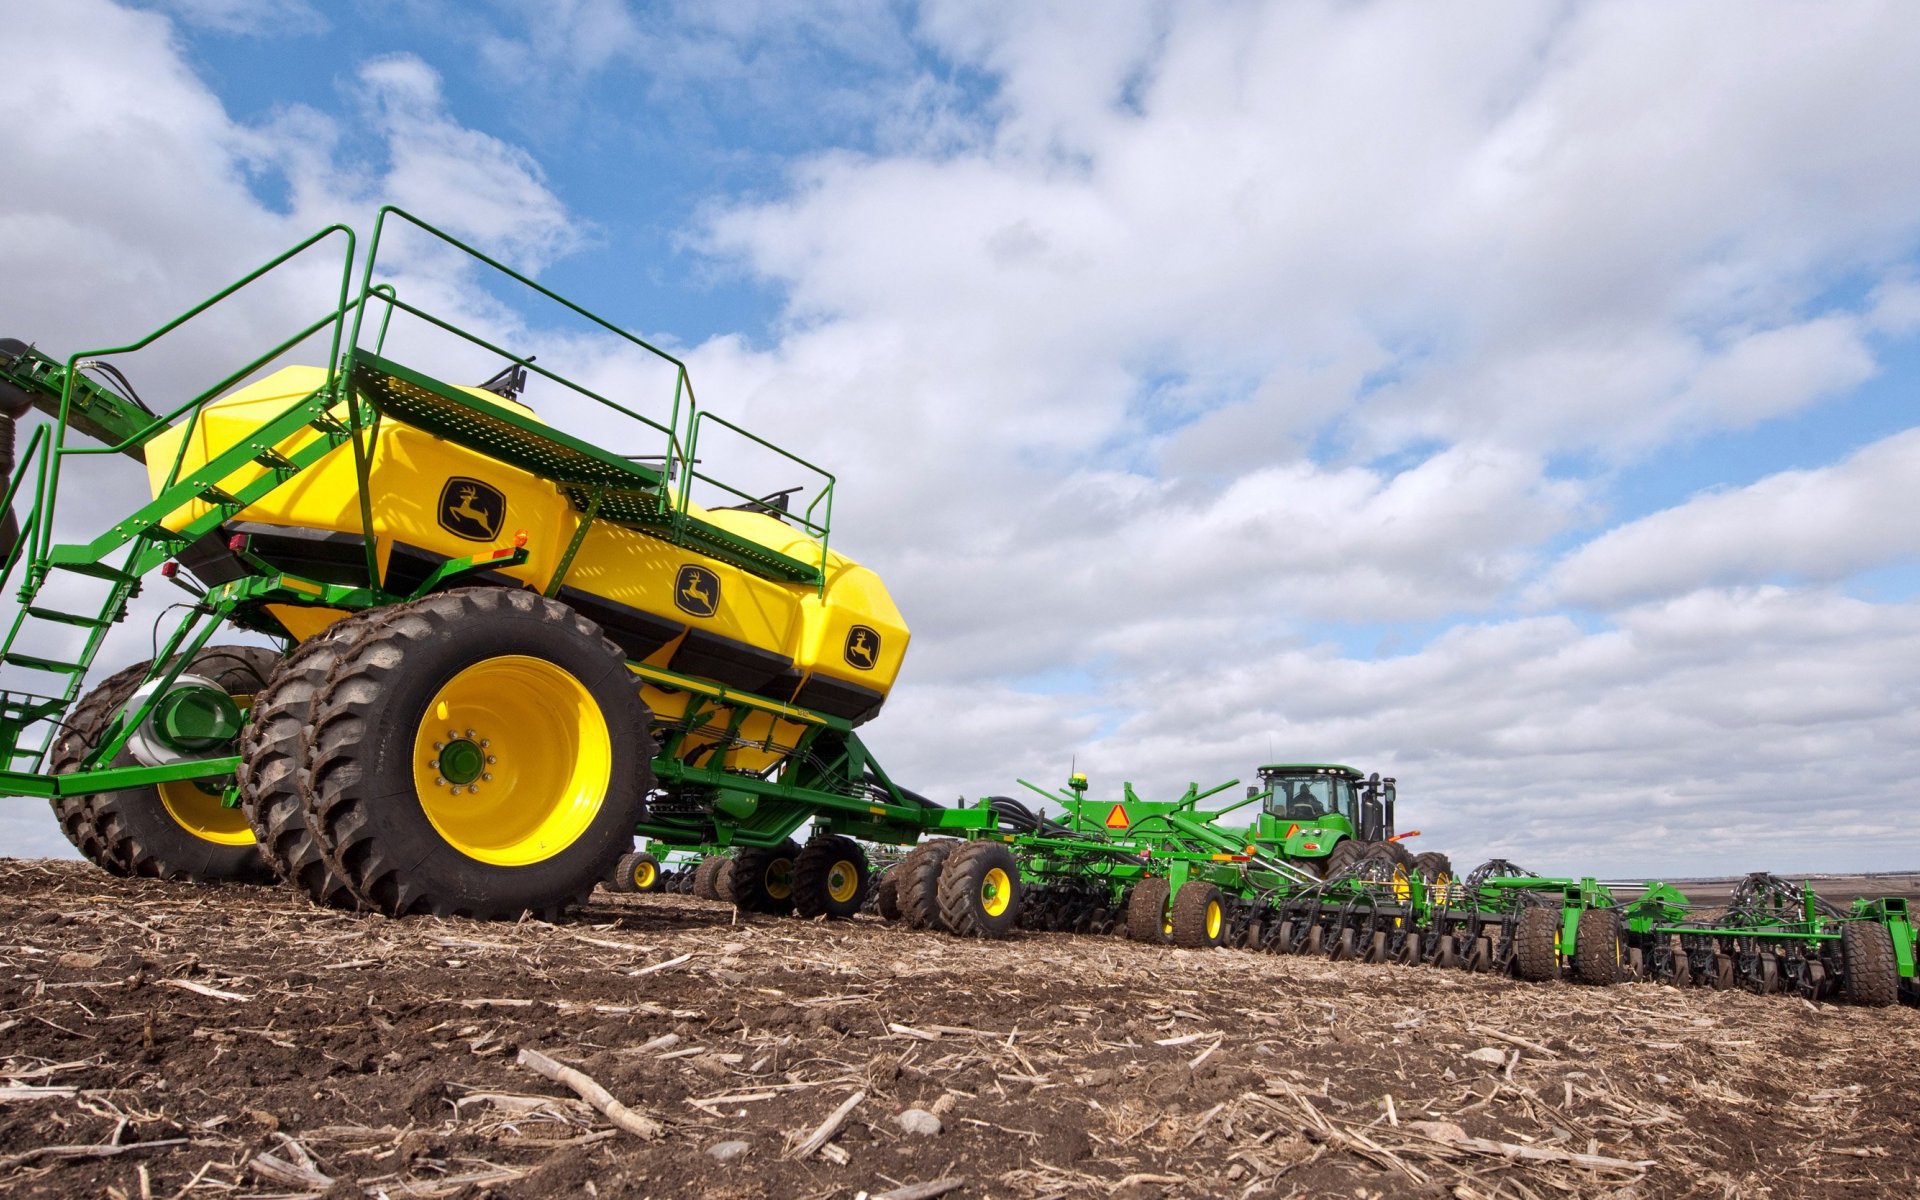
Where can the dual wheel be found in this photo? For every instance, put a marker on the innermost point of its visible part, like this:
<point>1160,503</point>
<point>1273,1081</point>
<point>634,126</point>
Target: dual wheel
<point>1194,917</point>
<point>970,889</point>
<point>481,752</point>
<point>826,878</point>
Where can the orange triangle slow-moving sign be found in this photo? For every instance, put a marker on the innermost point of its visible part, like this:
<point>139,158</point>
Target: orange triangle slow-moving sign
<point>1117,817</point>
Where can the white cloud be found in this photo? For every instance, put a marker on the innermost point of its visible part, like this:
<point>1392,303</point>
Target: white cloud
<point>1821,524</point>
<point>252,18</point>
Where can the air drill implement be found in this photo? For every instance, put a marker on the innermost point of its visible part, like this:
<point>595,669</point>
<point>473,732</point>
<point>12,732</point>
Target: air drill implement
<point>502,651</point>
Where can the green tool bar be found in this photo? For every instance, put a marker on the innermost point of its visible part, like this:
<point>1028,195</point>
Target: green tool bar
<point>112,779</point>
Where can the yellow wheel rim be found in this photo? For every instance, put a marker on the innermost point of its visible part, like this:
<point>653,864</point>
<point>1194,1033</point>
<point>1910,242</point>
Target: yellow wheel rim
<point>779,878</point>
<point>1215,919</point>
<point>996,892</point>
<point>843,881</point>
<point>202,815</point>
<point>511,760</point>
<point>200,812</point>
<point>643,875</point>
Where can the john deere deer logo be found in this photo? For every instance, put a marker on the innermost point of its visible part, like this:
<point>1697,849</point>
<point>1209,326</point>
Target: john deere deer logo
<point>863,647</point>
<point>697,590</point>
<point>472,509</point>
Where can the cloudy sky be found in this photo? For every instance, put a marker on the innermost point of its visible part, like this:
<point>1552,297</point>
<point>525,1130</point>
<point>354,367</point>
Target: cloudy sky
<point>1515,398</point>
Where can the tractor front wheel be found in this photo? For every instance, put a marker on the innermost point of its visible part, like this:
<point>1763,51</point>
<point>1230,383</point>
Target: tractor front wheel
<point>830,878</point>
<point>482,752</point>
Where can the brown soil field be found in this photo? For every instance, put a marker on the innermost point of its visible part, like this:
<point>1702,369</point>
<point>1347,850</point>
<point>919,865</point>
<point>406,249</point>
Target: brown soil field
<point>167,1040</point>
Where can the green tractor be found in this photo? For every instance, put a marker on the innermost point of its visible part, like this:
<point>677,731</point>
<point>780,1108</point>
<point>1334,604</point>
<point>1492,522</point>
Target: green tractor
<point>1326,817</point>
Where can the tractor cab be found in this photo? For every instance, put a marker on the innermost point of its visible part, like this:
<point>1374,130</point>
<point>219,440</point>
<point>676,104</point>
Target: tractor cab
<point>1331,796</point>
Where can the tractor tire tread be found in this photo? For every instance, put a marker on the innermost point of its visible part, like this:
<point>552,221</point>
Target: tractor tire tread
<point>1190,905</point>
<point>1536,954</point>
<point>961,877</point>
<point>1147,911</point>
<point>1597,950</point>
<point>919,888</point>
<point>811,870</point>
<point>1872,975</point>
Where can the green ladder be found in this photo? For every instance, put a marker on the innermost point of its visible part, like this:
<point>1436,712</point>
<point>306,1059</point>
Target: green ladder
<point>148,542</point>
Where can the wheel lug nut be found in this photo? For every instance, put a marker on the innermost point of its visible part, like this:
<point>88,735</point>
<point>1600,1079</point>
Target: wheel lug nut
<point>438,780</point>
<point>487,775</point>
<point>469,733</point>
<point>491,760</point>
<point>434,765</point>
<point>486,742</point>
<point>451,735</point>
<point>439,745</point>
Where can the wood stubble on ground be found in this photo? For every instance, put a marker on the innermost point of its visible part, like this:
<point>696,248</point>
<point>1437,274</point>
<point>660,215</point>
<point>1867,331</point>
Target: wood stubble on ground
<point>163,1040</point>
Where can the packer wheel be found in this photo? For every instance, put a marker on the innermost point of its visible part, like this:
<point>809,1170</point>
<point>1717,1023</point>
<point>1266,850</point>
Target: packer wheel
<point>1199,916</point>
<point>273,762</point>
<point>481,752</point>
<point>1869,973</point>
<point>919,886</point>
<point>638,871</point>
<point>1147,917</point>
<point>762,880</point>
<point>177,830</point>
<point>980,890</point>
<point>1536,944</point>
<point>830,878</point>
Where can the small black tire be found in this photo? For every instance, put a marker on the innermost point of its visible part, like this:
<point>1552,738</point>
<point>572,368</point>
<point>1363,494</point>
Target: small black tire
<point>1147,916</point>
<point>980,891</point>
<point>919,886</point>
<point>1199,916</point>
<point>762,879</point>
<point>554,726</point>
<point>830,879</point>
<point>273,762</point>
<point>1870,974</point>
<point>637,871</point>
<point>886,895</point>
<point>703,885</point>
<point>1536,944</point>
<point>181,830</point>
<point>1597,950</point>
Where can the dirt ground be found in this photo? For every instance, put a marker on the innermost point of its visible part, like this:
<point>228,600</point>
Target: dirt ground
<point>164,1040</point>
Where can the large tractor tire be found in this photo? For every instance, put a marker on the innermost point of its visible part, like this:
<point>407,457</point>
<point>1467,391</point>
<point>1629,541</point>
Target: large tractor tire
<point>176,830</point>
<point>980,891</point>
<point>1343,856</point>
<point>273,762</point>
<point>1597,951</point>
<point>1536,944</point>
<point>919,888</point>
<point>1433,865</point>
<point>1871,975</point>
<point>483,752</point>
<point>830,879</point>
<point>1147,917</point>
<point>1199,916</point>
<point>762,879</point>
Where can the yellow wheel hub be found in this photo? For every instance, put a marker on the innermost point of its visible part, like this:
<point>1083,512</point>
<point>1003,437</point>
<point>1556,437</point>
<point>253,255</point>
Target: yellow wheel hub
<point>996,892</point>
<point>201,814</point>
<point>843,880</point>
<point>643,875</point>
<point>1215,919</point>
<point>511,760</point>
<point>779,878</point>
